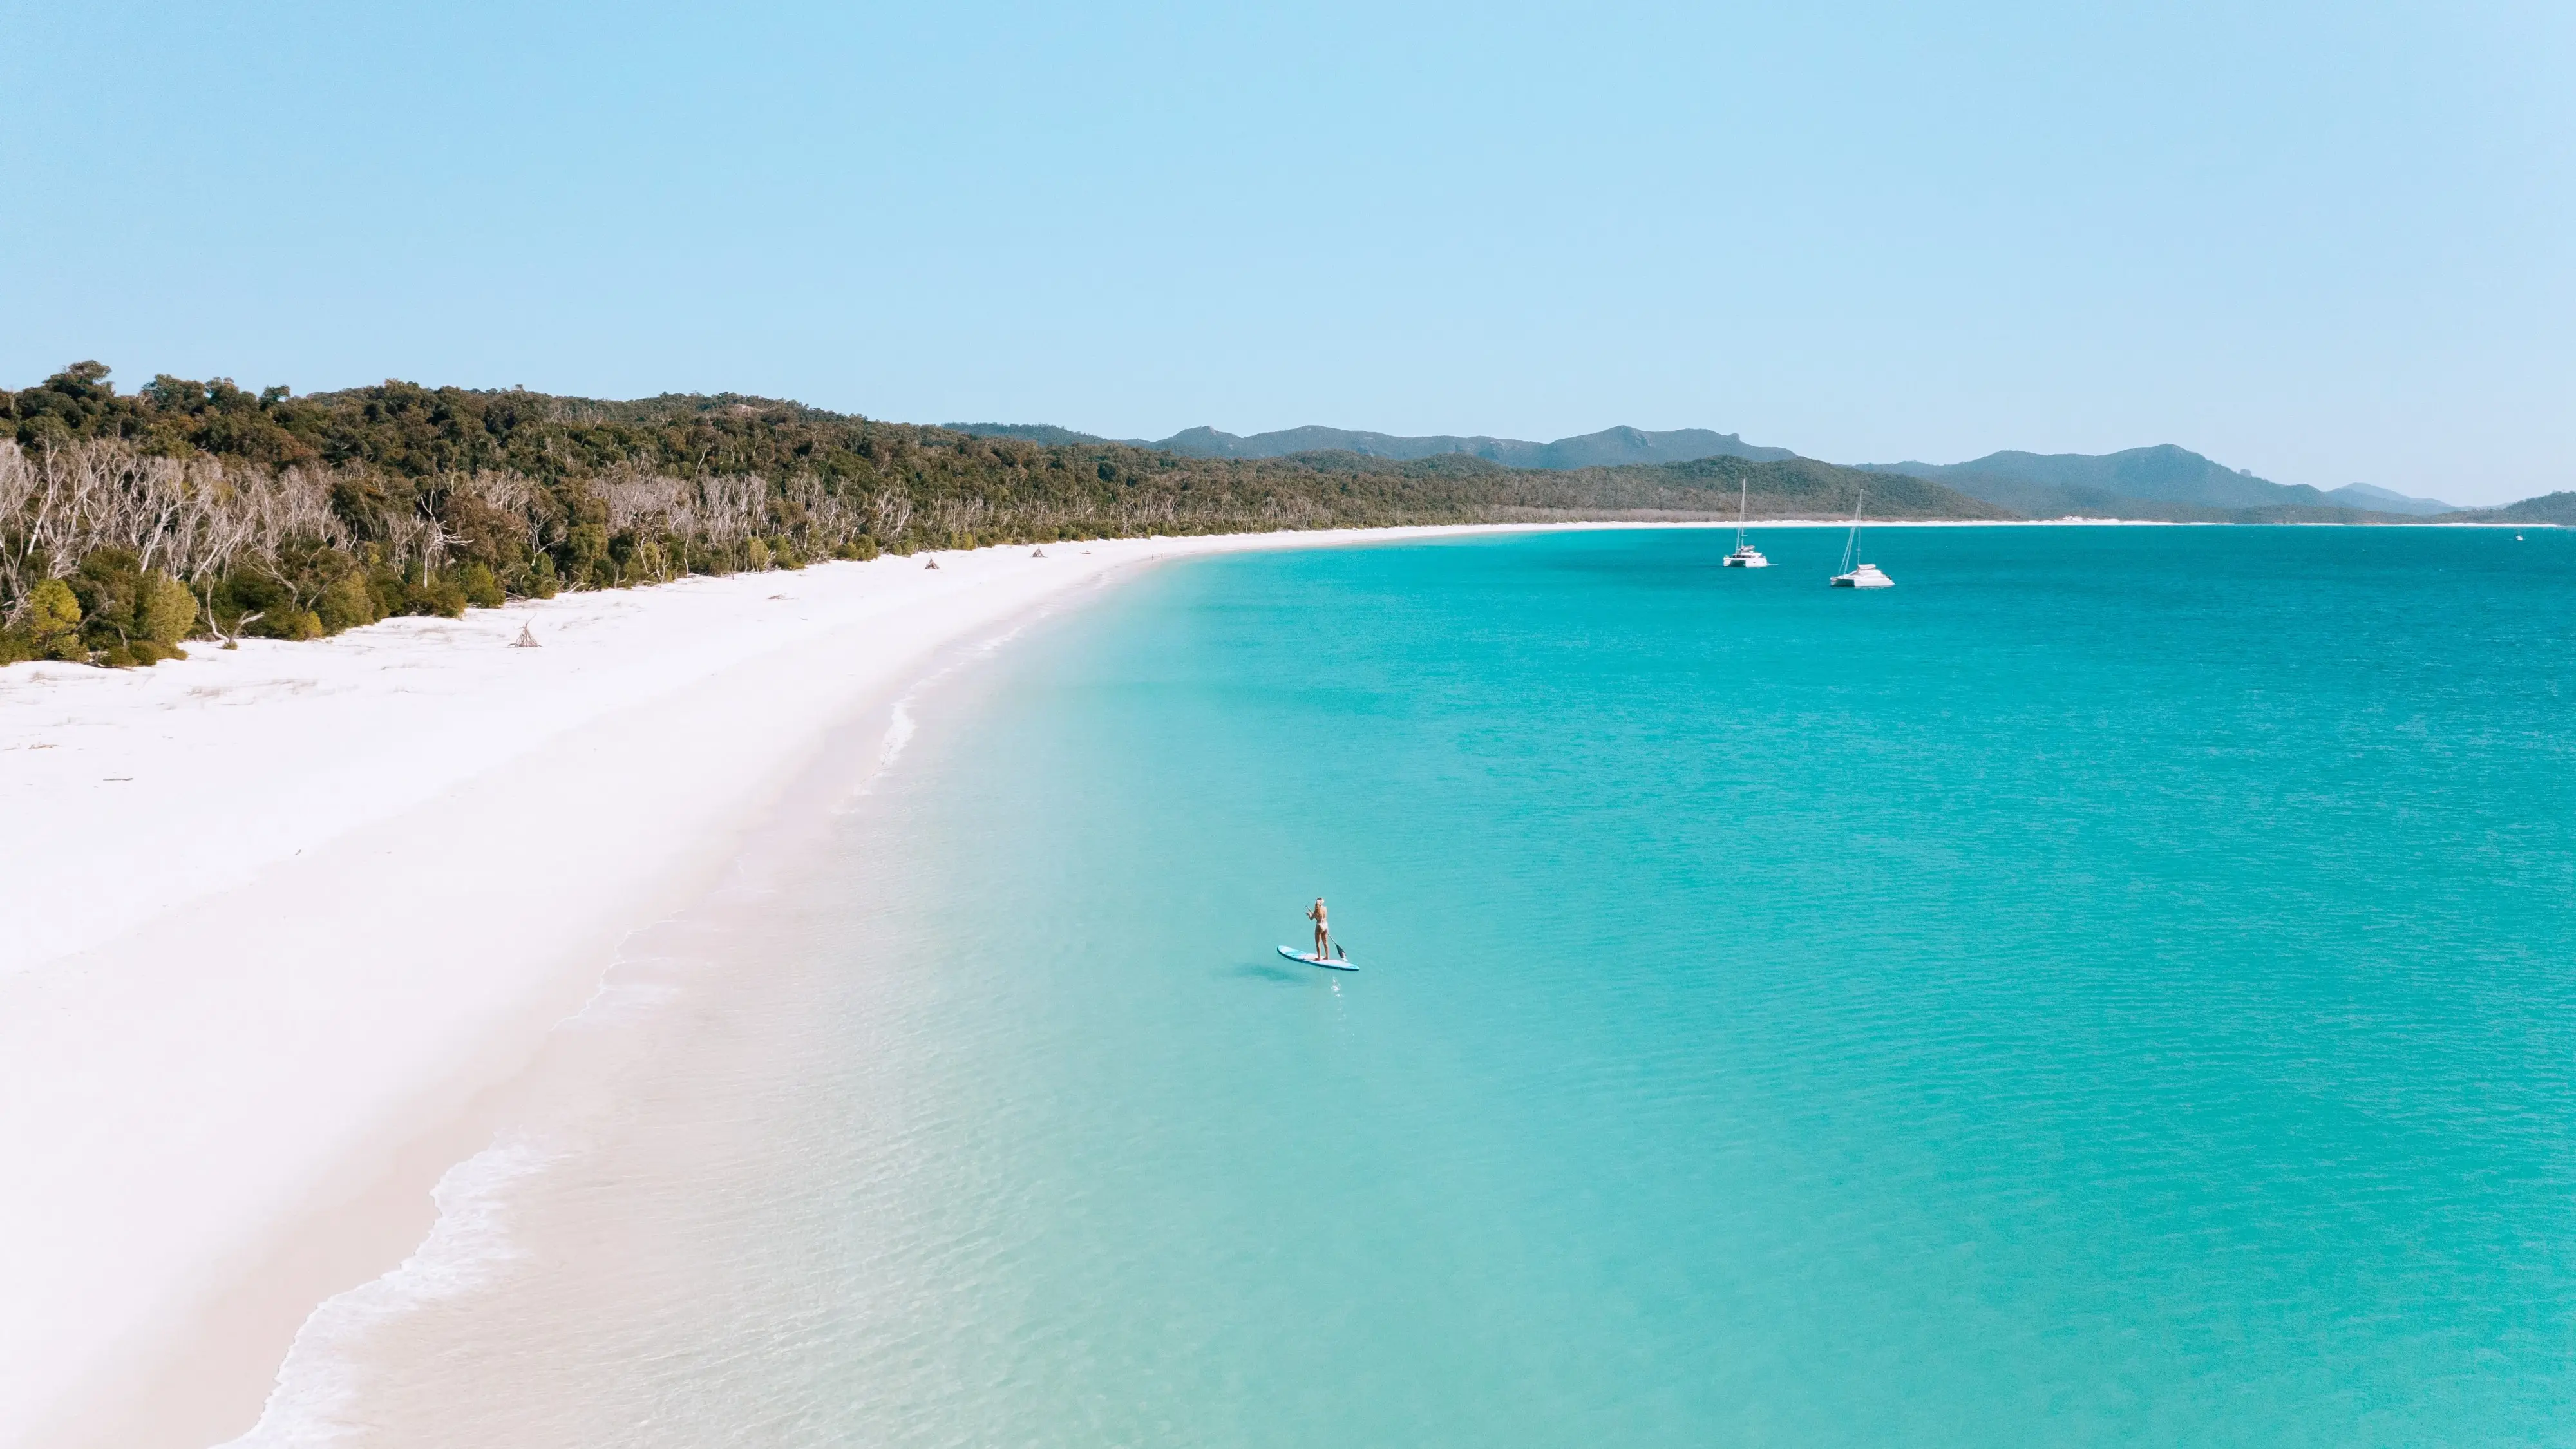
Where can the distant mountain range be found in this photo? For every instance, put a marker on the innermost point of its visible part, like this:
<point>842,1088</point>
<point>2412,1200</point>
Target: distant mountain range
<point>1609,448</point>
<point>2162,482</point>
<point>2159,482</point>
<point>2362,495</point>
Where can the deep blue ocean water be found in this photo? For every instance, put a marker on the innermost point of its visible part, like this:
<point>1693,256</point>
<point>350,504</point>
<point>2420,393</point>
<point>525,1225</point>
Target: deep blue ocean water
<point>2113,988</point>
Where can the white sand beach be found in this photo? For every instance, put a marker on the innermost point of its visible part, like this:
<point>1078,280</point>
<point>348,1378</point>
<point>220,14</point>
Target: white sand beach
<point>274,919</point>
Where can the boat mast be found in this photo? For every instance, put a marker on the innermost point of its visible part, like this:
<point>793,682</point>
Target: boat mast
<point>1744,492</point>
<point>1851,545</point>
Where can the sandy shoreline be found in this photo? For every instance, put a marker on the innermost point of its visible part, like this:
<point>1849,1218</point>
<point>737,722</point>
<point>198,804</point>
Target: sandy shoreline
<point>290,918</point>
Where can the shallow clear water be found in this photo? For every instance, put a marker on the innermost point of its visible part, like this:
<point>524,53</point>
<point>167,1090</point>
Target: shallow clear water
<point>2112,988</point>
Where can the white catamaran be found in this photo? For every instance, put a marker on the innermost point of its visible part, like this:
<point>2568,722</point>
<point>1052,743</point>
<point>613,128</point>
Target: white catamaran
<point>1746,556</point>
<point>1861,576</point>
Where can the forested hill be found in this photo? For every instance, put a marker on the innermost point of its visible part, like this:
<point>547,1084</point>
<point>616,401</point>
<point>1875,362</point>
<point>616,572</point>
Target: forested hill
<point>1795,488</point>
<point>294,516</point>
<point>2558,509</point>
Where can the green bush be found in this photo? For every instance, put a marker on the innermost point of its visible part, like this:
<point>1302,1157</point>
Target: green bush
<point>385,585</point>
<point>347,604</point>
<point>106,586</point>
<point>339,590</point>
<point>480,587</point>
<point>168,612</point>
<point>435,595</point>
<point>542,583</point>
<point>589,548</point>
<point>53,622</point>
<point>129,615</point>
<point>286,621</point>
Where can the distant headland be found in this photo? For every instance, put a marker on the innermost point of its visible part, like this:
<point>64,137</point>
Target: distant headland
<point>2164,483</point>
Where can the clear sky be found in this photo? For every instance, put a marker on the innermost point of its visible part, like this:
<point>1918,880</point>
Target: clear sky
<point>2331,243</point>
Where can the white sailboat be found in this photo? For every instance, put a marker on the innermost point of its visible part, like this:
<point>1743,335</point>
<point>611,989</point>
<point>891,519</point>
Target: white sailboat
<point>1859,576</point>
<point>1746,556</point>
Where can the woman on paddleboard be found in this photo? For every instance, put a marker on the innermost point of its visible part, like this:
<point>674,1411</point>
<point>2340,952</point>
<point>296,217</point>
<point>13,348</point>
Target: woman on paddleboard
<point>1323,932</point>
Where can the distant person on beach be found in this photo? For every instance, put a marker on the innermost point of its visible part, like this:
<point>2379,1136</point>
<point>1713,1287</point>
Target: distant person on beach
<point>1323,932</point>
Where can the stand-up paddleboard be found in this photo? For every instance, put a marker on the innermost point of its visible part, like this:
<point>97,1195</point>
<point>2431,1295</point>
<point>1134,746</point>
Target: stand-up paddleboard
<point>1311,959</point>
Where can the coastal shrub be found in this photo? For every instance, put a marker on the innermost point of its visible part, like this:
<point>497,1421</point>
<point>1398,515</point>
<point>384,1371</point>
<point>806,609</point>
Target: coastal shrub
<point>238,595</point>
<point>259,596</point>
<point>286,621</point>
<point>480,587</point>
<point>107,585</point>
<point>168,613</point>
<point>589,543</point>
<point>130,654</point>
<point>542,582</point>
<point>349,603</point>
<point>435,594</point>
<point>128,614</point>
<point>53,622</point>
<point>385,583</point>
<point>119,615</point>
<point>755,555</point>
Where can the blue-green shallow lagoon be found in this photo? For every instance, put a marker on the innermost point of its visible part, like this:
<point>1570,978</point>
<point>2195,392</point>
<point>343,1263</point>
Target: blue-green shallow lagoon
<point>2113,988</point>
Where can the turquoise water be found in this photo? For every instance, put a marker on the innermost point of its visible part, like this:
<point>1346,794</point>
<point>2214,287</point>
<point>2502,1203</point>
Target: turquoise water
<point>2113,988</point>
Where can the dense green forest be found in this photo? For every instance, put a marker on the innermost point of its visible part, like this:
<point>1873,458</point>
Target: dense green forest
<point>131,522</point>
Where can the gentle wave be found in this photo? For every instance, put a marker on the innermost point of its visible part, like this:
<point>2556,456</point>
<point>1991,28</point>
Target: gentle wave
<point>898,733</point>
<point>900,724</point>
<point>318,1385</point>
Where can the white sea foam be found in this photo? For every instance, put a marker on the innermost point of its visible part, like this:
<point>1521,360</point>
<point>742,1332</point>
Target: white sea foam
<point>318,1385</point>
<point>898,733</point>
<point>901,727</point>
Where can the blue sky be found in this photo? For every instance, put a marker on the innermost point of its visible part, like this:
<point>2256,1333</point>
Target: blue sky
<point>2328,243</point>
